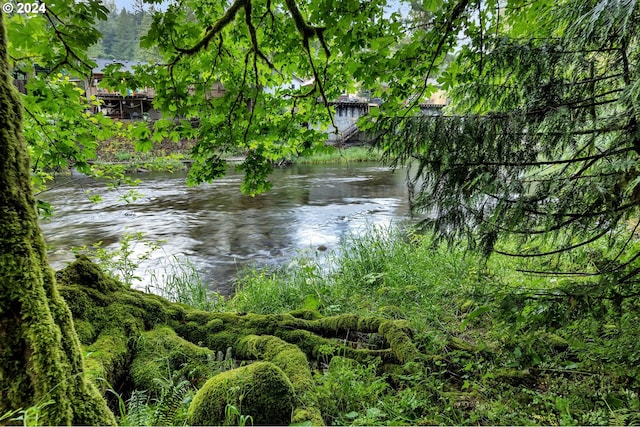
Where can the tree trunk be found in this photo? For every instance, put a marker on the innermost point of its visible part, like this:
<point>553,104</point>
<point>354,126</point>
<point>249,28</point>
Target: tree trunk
<point>41,364</point>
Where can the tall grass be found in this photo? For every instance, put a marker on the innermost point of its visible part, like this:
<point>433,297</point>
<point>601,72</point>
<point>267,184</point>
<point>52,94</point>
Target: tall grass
<point>386,272</point>
<point>337,155</point>
<point>178,280</point>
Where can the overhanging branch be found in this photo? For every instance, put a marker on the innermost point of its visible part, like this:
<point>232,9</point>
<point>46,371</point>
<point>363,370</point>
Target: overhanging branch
<point>226,19</point>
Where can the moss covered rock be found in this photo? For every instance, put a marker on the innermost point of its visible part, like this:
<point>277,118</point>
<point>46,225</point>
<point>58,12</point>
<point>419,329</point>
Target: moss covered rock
<point>134,339</point>
<point>261,390</point>
<point>294,364</point>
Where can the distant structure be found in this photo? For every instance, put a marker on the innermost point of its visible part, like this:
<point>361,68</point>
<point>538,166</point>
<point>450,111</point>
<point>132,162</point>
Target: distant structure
<point>348,109</point>
<point>136,104</point>
<point>435,104</point>
<point>20,78</point>
<point>20,81</point>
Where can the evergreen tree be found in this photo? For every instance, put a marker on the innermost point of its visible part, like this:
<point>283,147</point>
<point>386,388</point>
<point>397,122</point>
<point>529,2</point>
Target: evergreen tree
<point>150,54</point>
<point>126,36</point>
<point>541,142</point>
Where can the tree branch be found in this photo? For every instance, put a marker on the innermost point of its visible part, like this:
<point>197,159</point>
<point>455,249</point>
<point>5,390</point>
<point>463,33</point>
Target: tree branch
<point>225,20</point>
<point>557,251</point>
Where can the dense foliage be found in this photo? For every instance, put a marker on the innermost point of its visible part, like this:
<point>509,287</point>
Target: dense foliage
<point>506,348</point>
<point>496,349</point>
<point>49,50</point>
<point>541,140</point>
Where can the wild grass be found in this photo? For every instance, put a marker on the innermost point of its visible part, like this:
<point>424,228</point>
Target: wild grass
<point>178,280</point>
<point>338,155</point>
<point>510,347</point>
<point>384,272</point>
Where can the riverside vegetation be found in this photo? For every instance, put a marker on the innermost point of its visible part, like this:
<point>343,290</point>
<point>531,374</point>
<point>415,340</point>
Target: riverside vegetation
<point>467,340</point>
<point>118,156</point>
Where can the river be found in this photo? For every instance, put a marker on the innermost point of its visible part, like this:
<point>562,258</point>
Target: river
<point>219,230</point>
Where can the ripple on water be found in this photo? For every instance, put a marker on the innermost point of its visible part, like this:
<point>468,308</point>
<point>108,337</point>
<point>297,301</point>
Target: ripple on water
<point>220,230</point>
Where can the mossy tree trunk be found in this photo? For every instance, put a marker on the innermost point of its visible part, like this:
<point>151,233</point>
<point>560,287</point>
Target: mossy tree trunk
<point>41,362</point>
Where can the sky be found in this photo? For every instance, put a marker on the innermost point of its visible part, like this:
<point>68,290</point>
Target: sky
<point>124,3</point>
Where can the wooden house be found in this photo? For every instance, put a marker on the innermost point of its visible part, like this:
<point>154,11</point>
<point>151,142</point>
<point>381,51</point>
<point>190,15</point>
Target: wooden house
<point>135,104</point>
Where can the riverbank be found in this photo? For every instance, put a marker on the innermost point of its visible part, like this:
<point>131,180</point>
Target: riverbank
<point>507,348</point>
<point>500,347</point>
<point>167,158</point>
<point>361,153</point>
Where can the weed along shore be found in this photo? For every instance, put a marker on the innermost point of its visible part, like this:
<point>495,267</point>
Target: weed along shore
<point>169,156</point>
<point>390,329</point>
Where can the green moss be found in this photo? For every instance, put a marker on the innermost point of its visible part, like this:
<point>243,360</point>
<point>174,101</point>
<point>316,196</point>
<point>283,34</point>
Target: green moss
<point>161,353</point>
<point>306,341</point>
<point>303,416</point>
<point>221,340</point>
<point>369,324</point>
<point>192,331</point>
<point>79,302</point>
<point>83,301</point>
<point>215,325</point>
<point>456,343</point>
<point>108,357</point>
<point>293,363</point>
<point>86,273</point>
<point>85,330</point>
<point>400,343</point>
<point>314,346</point>
<point>151,309</point>
<point>306,314</point>
<point>199,316</point>
<point>340,324</point>
<point>40,354</point>
<point>204,332</point>
<point>261,390</point>
<point>156,339</point>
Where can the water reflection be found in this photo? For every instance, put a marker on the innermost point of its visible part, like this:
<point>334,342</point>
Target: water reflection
<point>221,230</point>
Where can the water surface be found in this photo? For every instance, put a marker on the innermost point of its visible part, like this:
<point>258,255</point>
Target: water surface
<point>220,230</point>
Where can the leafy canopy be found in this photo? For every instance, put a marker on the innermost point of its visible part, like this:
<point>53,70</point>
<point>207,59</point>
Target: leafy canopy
<point>254,48</point>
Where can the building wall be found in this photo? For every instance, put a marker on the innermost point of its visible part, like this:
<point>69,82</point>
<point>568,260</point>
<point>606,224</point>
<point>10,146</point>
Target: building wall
<point>346,115</point>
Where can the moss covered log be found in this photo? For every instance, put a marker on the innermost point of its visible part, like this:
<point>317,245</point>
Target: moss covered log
<point>40,356</point>
<point>134,338</point>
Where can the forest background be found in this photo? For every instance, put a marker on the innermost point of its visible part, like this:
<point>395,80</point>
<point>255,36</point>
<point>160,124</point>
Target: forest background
<point>122,31</point>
